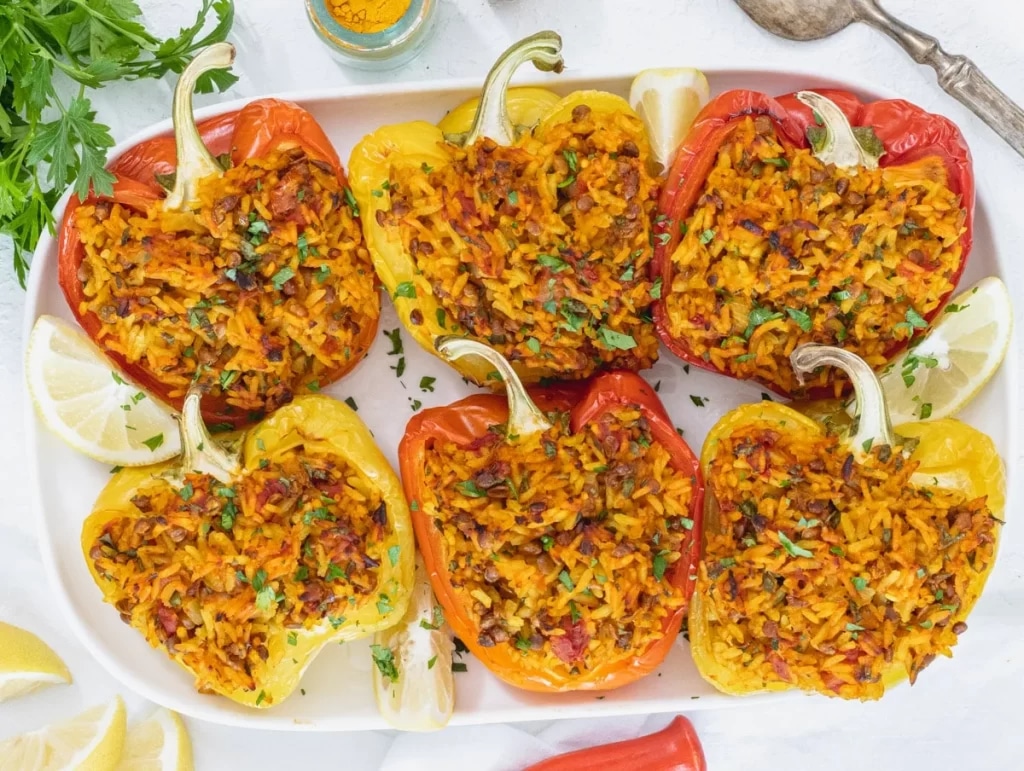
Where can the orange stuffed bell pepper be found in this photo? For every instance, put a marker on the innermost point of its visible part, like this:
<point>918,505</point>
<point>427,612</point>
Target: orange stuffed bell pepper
<point>839,563</point>
<point>522,221</point>
<point>811,217</point>
<point>557,526</point>
<point>247,274</point>
<point>242,566</point>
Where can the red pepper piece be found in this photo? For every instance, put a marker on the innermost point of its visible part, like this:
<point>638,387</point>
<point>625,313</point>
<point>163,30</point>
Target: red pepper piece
<point>467,423</point>
<point>255,131</point>
<point>907,133</point>
<point>675,747</point>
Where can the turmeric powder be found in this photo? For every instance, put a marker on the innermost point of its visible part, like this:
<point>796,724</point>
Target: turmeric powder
<point>368,16</point>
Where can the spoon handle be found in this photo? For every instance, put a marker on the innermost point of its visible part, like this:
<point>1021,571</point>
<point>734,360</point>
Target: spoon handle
<point>958,75</point>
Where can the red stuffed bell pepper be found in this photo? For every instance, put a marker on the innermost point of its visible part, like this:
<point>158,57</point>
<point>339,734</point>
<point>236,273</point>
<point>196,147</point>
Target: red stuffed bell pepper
<point>811,217</point>
<point>246,273</point>
<point>559,532</point>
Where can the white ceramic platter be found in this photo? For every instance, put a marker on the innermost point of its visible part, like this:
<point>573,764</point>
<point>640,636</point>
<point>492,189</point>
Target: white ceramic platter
<point>338,695</point>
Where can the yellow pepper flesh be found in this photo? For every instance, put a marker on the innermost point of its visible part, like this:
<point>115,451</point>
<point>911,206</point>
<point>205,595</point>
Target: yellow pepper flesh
<point>958,456</point>
<point>317,424</point>
<point>419,144</point>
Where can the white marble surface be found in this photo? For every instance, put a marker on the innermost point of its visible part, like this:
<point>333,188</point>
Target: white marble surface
<point>961,715</point>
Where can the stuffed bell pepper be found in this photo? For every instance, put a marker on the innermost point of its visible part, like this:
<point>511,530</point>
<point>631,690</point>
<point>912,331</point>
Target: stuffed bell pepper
<point>558,527</point>
<point>521,221</point>
<point>812,217</point>
<point>839,563</point>
<point>230,254</point>
<point>243,566</point>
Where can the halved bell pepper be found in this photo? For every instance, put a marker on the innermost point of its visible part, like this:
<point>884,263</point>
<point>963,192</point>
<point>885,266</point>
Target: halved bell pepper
<point>522,220</point>
<point>242,566</point>
<point>262,192</point>
<point>810,217</point>
<point>564,558</point>
<point>839,563</point>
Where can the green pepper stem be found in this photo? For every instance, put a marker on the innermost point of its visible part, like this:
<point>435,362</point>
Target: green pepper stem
<point>873,425</point>
<point>200,454</point>
<point>839,143</point>
<point>524,417</point>
<point>195,161</point>
<point>492,118</point>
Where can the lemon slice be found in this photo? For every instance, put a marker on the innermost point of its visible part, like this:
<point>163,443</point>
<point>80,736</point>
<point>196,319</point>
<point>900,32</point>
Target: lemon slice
<point>668,100</point>
<point>27,663</point>
<point>942,373</point>
<point>90,742</point>
<point>413,678</point>
<point>159,743</point>
<point>89,405</point>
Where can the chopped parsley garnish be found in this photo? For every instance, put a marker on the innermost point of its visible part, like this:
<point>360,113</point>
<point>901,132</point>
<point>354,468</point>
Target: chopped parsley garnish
<point>351,403</point>
<point>353,204</point>
<point>660,564</point>
<point>707,236</point>
<point>792,548</point>
<point>393,553</point>
<point>406,289</point>
<point>384,658</point>
<point>617,340</point>
<point>698,401</point>
<point>334,572</point>
<point>513,198</point>
<point>436,622</point>
<point>802,319</point>
<point>566,581</point>
<point>282,277</point>
<point>655,291</point>
<point>859,583</point>
<point>552,262</point>
<point>186,491</point>
<point>154,442</point>
<point>546,542</point>
<point>384,604</point>
<point>470,489</point>
<point>533,344</point>
<point>758,316</point>
<point>427,383</point>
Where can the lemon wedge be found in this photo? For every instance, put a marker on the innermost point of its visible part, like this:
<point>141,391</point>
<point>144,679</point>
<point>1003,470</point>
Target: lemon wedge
<point>939,375</point>
<point>668,99</point>
<point>88,404</point>
<point>92,741</point>
<point>27,663</point>
<point>159,743</point>
<point>413,678</point>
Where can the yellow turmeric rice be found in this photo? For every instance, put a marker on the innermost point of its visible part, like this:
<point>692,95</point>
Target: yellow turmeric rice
<point>561,547</point>
<point>825,573</point>
<point>781,249</point>
<point>210,572</point>
<point>541,249</point>
<point>264,292</point>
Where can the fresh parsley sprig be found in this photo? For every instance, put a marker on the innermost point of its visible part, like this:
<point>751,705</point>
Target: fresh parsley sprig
<point>48,141</point>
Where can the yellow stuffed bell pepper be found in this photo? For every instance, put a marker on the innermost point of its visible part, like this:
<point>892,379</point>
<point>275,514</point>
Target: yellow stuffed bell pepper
<point>522,221</point>
<point>839,563</point>
<point>243,566</point>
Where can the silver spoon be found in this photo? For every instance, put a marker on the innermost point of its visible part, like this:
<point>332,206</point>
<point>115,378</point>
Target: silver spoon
<point>958,75</point>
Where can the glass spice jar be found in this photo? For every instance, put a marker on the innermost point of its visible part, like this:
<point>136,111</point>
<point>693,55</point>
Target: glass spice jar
<point>372,34</point>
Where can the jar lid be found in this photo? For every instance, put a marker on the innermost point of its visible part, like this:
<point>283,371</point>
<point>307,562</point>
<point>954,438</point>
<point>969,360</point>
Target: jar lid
<point>388,47</point>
